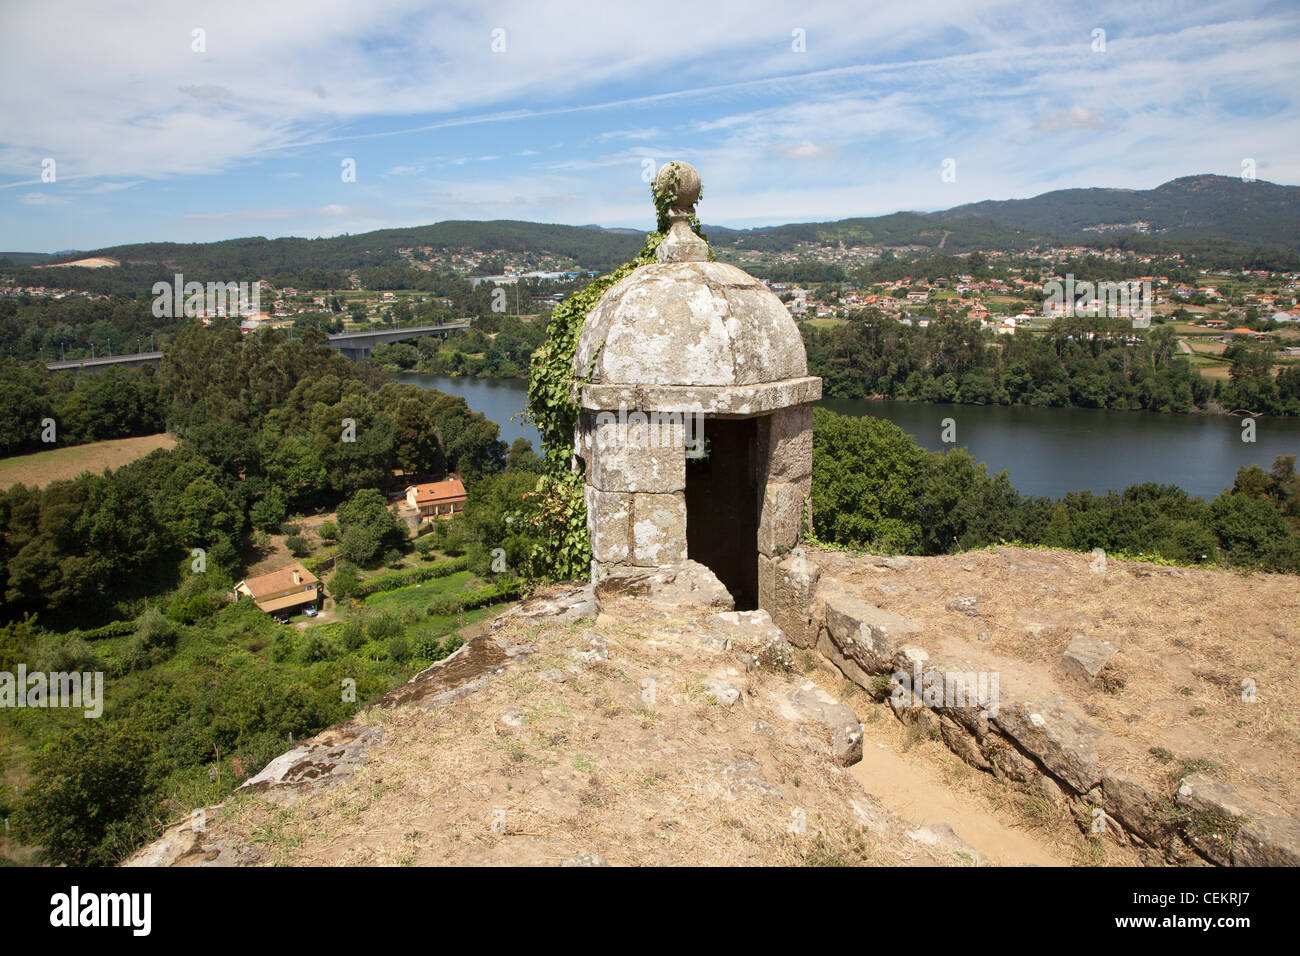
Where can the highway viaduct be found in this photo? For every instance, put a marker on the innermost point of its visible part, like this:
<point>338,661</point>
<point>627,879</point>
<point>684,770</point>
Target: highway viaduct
<point>354,345</point>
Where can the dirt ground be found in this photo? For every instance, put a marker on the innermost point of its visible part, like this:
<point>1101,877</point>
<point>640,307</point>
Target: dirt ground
<point>1208,672</point>
<point>57,464</point>
<point>599,738</point>
<point>629,759</point>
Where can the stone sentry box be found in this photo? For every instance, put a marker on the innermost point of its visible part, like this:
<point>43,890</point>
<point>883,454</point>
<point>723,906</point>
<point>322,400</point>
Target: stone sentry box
<point>695,430</point>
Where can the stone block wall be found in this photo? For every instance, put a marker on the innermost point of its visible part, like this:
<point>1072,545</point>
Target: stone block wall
<point>1037,746</point>
<point>635,490</point>
<point>636,483</point>
<point>784,466</point>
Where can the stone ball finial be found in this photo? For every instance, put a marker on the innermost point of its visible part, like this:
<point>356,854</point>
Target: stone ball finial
<point>680,182</point>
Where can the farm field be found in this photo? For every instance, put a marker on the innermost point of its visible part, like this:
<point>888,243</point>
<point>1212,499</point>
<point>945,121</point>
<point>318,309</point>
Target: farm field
<point>43,467</point>
<point>419,595</point>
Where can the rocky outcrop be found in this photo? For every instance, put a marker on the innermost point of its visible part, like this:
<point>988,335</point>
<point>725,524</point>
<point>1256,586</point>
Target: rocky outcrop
<point>331,755</point>
<point>686,584</point>
<point>1061,741</point>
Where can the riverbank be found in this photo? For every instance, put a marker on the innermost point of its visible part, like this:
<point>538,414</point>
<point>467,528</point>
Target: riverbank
<point>1046,451</point>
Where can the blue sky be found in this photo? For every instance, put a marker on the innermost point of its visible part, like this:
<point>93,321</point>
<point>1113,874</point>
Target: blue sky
<point>154,140</point>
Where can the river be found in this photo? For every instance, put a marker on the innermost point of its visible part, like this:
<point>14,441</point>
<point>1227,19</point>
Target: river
<point>1046,451</point>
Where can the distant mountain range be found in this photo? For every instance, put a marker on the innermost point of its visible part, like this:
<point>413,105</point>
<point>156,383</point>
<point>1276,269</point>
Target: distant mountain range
<point>1217,207</point>
<point>1214,208</point>
<point>1193,207</point>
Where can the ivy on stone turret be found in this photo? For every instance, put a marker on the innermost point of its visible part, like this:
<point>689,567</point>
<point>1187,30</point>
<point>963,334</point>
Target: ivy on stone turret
<point>559,513</point>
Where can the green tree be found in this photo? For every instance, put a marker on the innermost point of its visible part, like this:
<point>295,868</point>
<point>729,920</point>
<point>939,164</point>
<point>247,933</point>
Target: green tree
<point>961,506</point>
<point>367,528</point>
<point>1252,532</point>
<point>866,474</point>
<point>270,510</point>
<point>521,457</point>
<point>88,794</point>
<point>496,523</point>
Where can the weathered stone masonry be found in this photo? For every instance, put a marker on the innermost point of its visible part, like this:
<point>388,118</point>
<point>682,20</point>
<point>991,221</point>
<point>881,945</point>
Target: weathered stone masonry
<point>691,348</point>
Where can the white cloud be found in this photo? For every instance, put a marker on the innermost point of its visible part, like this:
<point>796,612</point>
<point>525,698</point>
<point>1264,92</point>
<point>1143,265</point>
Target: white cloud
<point>804,149</point>
<point>1076,117</point>
<point>857,125</point>
<point>42,199</point>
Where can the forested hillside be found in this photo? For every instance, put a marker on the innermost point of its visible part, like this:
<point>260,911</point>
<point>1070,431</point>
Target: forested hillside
<point>1214,207</point>
<point>1256,223</point>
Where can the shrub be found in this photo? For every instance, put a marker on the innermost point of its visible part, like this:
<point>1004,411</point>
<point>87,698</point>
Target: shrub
<point>399,649</point>
<point>113,629</point>
<point>297,546</point>
<point>134,656</point>
<point>328,530</point>
<point>154,630</point>
<point>284,645</point>
<point>186,609</point>
<point>433,647</point>
<point>384,626</point>
<point>64,653</point>
<point>290,529</point>
<point>344,583</point>
<point>354,635</point>
<point>89,790</point>
<point>315,647</point>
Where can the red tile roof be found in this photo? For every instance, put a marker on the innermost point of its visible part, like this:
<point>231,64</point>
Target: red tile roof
<point>437,492</point>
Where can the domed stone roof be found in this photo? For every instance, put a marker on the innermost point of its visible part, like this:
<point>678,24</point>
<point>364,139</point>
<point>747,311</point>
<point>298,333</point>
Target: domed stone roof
<point>685,321</point>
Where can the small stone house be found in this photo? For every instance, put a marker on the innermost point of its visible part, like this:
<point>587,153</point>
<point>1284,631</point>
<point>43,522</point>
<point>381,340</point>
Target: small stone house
<point>695,430</point>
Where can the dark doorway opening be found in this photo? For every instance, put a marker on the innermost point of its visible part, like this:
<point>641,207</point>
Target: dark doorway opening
<point>722,507</point>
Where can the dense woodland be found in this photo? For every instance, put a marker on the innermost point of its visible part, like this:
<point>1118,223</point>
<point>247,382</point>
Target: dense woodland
<point>100,573</point>
<point>265,427</point>
<point>875,489</point>
<point>1084,362</point>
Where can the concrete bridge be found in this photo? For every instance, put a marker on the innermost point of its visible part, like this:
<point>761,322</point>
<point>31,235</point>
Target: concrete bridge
<point>132,360</point>
<point>354,345</point>
<point>357,345</point>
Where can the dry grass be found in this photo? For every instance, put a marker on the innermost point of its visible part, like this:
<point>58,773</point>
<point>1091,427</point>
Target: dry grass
<point>1193,646</point>
<point>527,771</point>
<point>59,464</point>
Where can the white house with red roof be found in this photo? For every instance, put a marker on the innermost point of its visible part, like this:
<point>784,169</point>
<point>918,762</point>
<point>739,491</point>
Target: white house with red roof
<point>437,499</point>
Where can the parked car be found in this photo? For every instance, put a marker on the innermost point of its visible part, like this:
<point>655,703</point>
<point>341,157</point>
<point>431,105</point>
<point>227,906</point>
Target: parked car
<point>311,612</point>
